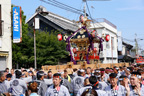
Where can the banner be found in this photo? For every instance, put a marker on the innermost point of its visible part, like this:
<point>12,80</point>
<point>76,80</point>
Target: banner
<point>17,25</point>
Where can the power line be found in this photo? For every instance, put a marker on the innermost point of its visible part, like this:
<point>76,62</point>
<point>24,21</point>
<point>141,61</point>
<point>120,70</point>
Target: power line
<point>91,16</point>
<point>63,7</point>
<point>89,11</point>
<point>79,8</point>
<point>128,40</point>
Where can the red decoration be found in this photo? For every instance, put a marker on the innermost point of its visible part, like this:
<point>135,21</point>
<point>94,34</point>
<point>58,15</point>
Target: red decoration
<point>94,33</point>
<point>81,18</point>
<point>74,50</point>
<point>107,38</point>
<point>97,57</point>
<point>59,37</point>
<point>77,56</point>
<point>140,59</point>
<point>95,49</point>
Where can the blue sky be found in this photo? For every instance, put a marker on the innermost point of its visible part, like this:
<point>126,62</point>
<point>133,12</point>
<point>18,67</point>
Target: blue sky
<point>127,15</point>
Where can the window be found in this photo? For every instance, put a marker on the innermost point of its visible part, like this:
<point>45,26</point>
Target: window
<point>119,52</point>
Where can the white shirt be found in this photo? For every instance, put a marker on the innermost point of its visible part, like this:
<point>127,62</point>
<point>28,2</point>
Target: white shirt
<point>51,91</point>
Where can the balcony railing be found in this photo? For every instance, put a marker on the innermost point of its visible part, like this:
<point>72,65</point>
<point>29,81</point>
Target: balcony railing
<point>98,20</point>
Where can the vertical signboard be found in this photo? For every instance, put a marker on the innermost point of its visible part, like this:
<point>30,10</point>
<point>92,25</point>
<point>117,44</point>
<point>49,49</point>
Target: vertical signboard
<point>17,27</point>
<point>36,23</point>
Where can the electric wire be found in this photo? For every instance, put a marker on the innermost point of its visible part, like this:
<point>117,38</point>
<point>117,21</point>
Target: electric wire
<point>79,8</point>
<point>128,40</point>
<point>91,16</point>
<point>63,7</point>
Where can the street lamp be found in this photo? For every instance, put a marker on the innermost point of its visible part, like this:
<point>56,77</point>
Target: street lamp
<point>44,14</point>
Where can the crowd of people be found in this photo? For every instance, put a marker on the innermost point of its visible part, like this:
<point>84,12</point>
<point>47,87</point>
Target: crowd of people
<point>116,81</point>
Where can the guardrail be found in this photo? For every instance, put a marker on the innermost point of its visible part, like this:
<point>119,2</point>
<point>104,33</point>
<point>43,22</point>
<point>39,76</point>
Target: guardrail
<point>98,20</point>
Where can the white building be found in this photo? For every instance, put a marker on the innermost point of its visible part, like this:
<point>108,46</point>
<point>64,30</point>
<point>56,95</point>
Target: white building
<point>103,28</point>
<point>5,35</point>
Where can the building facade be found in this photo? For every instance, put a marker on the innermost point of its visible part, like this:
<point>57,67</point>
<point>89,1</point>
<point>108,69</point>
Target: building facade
<point>103,28</point>
<point>126,55</point>
<point>51,22</point>
<point>5,35</point>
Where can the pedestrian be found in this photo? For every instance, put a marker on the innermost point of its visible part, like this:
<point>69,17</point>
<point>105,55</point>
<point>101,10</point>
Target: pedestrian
<point>104,76</point>
<point>66,76</point>
<point>78,81</point>
<point>18,87</point>
<point>57,89</point>
<point>3,87</point>
<point>31,76</point>
<point>123,80</point>
<point>74,72</point>
<point>49,79</point>
<point>7,70</point>
<point>86,86</point>
<point>88,72</point>
<point>49,75</point>
<point>25,76</point>
<point>135,88</point>
<point>114,89</point>
<point>116,70</point>
<point>8,80</point>
<point>32,89</point>
<point>31,69</point>
<point>42,87</point>
<point>13,74</point>
<point>66,83</point>
<point>96,86</point>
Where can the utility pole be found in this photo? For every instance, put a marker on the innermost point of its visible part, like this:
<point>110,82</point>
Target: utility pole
<point>84,8</point>
<point>35,63</point>
<point>44,14</point>
<point>136,46</point>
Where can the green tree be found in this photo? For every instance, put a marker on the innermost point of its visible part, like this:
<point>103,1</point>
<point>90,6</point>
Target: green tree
<point>49,49</point>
